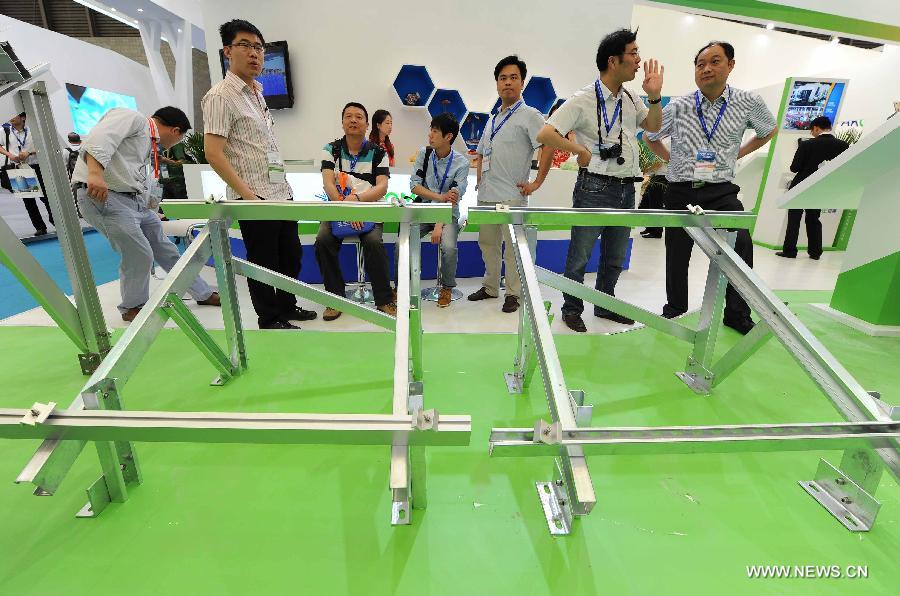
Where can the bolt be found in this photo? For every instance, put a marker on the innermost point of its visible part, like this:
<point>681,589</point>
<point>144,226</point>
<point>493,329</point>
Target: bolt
<point>708,377</point>
<point>427,418</point>
<point>546,431</point>
<point>559,482</point>
<point>840,481</point>
<point>571,435</point>
<point>35,413</point>
<point>846,500</point>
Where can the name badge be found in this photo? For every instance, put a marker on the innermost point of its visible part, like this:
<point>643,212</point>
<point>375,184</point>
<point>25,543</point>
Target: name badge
<point>705,165</point>
<point>163,171</point>
<point>276,167</point>
<point>486,161</point>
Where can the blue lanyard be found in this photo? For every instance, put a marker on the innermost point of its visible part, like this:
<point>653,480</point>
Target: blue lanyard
<point>354,161</point>
<point>446,170</point>
<point>20,141</point>
<point>709,134</point>
<point>509,114</point>
<point>609,125</point>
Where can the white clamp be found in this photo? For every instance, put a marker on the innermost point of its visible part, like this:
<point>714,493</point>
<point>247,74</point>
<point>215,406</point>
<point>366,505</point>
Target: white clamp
<point>38,413</point>
<point>214,199</point>
<point>695,209</point>
<point>425,419</point>
<point>501,207</point>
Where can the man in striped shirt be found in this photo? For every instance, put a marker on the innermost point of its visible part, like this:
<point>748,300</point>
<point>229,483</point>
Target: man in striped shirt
<point>706,128</point>
<point>241,147</point>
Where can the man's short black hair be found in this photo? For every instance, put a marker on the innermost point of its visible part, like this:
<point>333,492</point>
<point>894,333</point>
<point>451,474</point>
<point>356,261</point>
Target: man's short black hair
<point>228,31</point>
<point>354,104</point>
<point>726,47</point>
<point>22,115</point>
<point>613,45</point>
<point>822,122</point>
<point>172,116</point>
<point>447,124</point>
<point>510,61</point>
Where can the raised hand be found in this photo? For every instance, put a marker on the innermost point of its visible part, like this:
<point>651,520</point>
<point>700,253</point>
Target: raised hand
<point>653,78</point>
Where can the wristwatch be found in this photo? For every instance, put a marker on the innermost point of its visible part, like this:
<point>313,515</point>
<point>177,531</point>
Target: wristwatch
<point>654,101</point>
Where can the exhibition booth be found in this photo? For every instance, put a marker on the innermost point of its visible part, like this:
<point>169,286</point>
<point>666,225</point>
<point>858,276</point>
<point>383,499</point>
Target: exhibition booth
<point>468,448</point>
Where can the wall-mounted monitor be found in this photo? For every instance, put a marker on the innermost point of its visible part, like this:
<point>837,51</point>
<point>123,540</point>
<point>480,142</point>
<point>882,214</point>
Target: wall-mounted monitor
<point>88,105</point>
<point>278,88</point>
<point>809,99</point>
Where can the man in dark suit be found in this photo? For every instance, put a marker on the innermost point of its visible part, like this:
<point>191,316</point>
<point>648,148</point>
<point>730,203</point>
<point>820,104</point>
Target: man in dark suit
<point>809,156</point>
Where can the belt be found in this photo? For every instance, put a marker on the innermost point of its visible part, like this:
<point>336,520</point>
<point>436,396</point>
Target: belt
<point>605,178</point>
<point>77,185</point>
<point>696,184</point>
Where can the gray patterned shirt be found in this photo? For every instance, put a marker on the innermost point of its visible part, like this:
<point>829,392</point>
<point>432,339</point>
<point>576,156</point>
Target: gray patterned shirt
<point>744,110</point>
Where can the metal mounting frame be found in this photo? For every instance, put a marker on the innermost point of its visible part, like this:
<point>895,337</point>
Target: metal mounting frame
<point>869,432</point>
<point>82,322</point>
<point>97,414</point>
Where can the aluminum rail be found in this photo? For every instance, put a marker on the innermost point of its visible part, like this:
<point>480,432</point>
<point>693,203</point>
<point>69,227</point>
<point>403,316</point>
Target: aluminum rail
<point>567,217</point>
<point>308,211</point>
<point>222,427</point>
<point>664,440</point>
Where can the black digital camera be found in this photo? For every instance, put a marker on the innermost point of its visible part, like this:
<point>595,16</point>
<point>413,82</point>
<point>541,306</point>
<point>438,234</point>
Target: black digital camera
<point>611,152</point>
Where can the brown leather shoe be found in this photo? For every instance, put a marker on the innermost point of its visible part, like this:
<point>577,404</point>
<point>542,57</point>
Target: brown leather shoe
<point>213,300</point>
<point>389,309</point>
<point>510,304</point>
<point>445,297</point>
<point>481,294</point>
<point>331,314</point>
<point>131,313</point>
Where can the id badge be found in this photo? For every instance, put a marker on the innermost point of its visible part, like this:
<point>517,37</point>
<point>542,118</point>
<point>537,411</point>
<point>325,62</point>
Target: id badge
<point>486,161</point>
<point>276,167</point>
<point>705,165</point>
<point>163,171</point>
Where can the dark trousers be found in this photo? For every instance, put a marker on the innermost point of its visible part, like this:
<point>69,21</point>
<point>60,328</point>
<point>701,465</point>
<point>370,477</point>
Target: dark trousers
<point>274,245</point>
<point>34,214</point>
<point>327,248</point>
<point>654,198</point>
<point>813,232</point>
<point>712,197</point>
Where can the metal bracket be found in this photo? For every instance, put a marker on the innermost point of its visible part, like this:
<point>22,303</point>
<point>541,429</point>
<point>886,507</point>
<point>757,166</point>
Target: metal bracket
<point>89,362</point>
<point>425,419</point>
<point>551,434</point>
<point>555,503</point>
<point>38,413</point>
<point>583,413</point>
<point>846,500</point>
<point>892,412</point>
<point>697,377</point>
<point>98,499</point>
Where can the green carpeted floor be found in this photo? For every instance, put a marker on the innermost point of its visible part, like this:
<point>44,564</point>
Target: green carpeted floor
<point>246,519</point>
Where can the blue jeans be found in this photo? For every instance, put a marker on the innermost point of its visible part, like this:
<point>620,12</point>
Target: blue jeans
<point>446,277</point>
<point>592,192</point>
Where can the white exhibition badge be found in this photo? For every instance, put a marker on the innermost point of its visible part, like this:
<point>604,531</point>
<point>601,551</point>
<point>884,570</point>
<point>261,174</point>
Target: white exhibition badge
<point>276,167</point>
<point>705,165</point>
<point>486,161</point>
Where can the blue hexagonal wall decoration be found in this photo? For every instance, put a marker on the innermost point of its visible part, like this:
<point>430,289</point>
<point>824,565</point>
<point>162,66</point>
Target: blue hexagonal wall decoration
<point>413,85</point>
<point>539,94</point>
<point>447,100</point>
<point>472,128</point>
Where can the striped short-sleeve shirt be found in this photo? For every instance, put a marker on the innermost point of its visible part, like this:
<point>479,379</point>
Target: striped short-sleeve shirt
<point>235,110</point>
<point>743,110</point>
<point>361,170</point>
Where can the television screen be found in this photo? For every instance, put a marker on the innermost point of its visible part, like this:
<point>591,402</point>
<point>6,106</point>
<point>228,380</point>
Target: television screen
<point>811,99</point>
<point>88,105</point>
<point>275,76</point>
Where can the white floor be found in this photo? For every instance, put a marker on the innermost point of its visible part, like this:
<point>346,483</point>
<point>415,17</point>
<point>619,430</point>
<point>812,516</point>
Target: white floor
<point>643,284</point>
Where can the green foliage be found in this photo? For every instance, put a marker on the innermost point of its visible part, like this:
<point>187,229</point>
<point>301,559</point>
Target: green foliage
<point>193,146</point>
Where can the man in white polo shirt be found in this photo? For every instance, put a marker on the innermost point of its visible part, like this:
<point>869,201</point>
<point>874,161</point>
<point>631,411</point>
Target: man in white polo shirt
<point>605,117</point>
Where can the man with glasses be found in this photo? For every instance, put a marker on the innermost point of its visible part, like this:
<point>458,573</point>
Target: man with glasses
<point>605,115</point>
<point>116,185</point>
<point>707,128</point>
<point>240,145</point>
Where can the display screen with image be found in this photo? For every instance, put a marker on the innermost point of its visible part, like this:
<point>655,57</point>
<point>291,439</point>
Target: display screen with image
<point>275,77</point>
<point>809,100</point>
<point>88,105</point>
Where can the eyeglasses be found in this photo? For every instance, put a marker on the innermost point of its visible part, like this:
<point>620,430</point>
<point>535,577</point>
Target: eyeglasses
<point>632,53</point>
<point>255,47</point>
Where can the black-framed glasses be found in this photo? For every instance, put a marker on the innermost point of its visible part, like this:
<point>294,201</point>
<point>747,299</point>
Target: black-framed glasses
<point>256,47</point>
